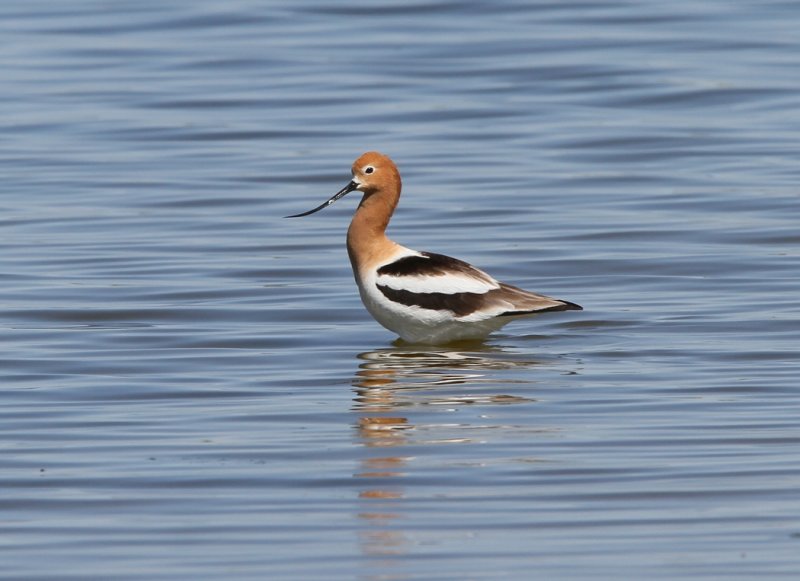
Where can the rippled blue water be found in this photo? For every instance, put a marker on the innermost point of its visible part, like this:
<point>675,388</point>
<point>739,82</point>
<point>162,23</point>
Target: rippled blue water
<point>191,388</point>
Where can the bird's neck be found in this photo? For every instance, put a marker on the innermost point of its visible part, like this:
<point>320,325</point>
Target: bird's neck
<point>366,238</point>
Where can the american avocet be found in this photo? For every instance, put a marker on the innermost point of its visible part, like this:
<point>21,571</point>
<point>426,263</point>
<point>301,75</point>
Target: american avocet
<point>422,296</point>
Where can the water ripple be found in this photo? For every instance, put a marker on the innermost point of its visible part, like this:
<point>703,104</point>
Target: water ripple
<point>192,389</point>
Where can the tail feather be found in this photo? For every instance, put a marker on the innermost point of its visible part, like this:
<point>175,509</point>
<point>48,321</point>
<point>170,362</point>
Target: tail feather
<point>528,303</point>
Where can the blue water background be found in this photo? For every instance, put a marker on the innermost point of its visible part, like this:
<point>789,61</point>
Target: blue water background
<point>191,388</point>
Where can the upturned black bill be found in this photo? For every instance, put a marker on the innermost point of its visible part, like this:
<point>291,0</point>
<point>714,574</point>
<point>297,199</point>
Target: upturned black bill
<point>340,194</point>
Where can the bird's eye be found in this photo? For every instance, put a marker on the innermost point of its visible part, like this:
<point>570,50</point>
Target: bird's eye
<point>369,169</point>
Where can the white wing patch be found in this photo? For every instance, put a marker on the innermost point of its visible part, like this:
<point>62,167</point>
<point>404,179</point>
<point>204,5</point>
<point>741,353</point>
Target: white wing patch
<point>450,283</point>
<point>433,273</point>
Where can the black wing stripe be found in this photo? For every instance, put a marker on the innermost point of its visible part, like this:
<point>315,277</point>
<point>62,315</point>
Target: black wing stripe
<point>431,264</point>
<point>460,304</point>
<point>463,304</point>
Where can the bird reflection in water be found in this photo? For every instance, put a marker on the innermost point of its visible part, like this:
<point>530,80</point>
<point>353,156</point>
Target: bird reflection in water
<point>391,383</point>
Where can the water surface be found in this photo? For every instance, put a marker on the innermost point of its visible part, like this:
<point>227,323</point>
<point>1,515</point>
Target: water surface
<point>192,390</point>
